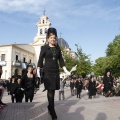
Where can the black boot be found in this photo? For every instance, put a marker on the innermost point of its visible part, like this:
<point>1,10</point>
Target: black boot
<point>51,109</point>
<point>53,114</point>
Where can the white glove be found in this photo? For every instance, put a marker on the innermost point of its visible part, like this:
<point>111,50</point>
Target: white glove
<point>13,95</point>
<point>73,68</point>
<point>22,89</point>
<point>66,71</point>
<point>38,72</point>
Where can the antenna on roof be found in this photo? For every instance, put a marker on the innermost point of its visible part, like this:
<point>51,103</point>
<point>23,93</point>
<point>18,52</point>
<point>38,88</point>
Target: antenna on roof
<point>44,11</point>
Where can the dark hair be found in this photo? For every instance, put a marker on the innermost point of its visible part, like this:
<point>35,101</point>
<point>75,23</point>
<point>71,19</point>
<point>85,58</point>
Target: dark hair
<point>51,30</point>
<point>108,70</point>
<point>29,65</point>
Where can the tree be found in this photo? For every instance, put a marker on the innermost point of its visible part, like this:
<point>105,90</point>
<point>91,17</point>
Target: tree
<point>84,65</point>
<point>69,60</point>
<point>112,59</point>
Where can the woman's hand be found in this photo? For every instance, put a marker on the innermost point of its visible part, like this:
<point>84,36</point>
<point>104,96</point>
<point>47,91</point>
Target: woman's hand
<point>66,71</point>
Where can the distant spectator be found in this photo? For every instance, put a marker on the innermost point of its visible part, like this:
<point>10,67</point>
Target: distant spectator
<point>108,83</point>
<point>72,87</point>
<point>92,87</point>
<point>79,86</point>
<point>99,87</point>
<point>19,91</point>
<point>61,90</point>
<point>12,88</point>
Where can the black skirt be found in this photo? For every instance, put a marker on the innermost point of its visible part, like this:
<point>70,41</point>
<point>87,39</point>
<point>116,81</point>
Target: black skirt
<point>51,80</point>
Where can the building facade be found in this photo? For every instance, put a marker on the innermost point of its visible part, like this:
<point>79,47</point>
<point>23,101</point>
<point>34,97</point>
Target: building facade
<point>17,56</point>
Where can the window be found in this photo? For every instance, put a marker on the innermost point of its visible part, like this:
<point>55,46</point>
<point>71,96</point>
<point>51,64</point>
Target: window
<point>45,30</point>
<point>16,57</point>
<point>2,57</point>
<point>24,59</point>
<point>30,60</point>
<point>40,31</point>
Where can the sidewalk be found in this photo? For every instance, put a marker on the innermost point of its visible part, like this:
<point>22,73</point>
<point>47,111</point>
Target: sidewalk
<point>99,108</point>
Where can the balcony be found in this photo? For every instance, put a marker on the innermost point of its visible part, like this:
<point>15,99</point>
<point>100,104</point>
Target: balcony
<point>23,65</point>
<point>32,64</point>
<point>2,63</point>
<point>16,63</point>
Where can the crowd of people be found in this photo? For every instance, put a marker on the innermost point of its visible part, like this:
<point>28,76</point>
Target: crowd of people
<point>21,86</point>
<point>106,86</point>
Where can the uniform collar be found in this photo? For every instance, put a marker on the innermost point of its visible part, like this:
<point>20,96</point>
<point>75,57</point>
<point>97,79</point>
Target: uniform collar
<point>48,47</point>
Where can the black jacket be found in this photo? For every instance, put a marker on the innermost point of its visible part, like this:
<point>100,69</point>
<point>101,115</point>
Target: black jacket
<point>50,64</point>
<point>28,83</point>
<point>72,85</point>
<point>92,86</point>
<point>108,83</point>
<point>12,88</point>
<point>79,85</point>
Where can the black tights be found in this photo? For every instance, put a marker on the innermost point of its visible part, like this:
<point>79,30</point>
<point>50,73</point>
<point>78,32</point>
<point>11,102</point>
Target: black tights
<point>50,96</point>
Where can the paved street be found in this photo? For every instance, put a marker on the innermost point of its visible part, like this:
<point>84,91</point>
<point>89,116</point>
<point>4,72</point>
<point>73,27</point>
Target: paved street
<point>72,108</point>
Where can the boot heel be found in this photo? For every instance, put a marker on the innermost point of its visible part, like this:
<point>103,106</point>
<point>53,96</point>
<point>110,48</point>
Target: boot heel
<point>53,115</point>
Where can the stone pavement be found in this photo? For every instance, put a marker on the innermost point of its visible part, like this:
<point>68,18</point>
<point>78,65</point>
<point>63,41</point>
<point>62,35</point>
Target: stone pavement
<point>72,108</point>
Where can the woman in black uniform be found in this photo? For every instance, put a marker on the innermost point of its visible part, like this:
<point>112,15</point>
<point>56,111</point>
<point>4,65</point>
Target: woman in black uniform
<point>12,88</point>
<point>19,93</point>
<point>108,83</point>
<point>51,53</point>
<point>79,86</point>
<point>92,87</point>
<point>28,84</point>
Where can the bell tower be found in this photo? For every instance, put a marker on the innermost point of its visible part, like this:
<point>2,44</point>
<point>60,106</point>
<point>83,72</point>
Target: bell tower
<point>40,39</point>
<point>43,24</point>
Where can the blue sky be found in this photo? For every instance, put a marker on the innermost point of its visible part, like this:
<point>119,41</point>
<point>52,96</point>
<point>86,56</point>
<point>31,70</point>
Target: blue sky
<point>91,23</point>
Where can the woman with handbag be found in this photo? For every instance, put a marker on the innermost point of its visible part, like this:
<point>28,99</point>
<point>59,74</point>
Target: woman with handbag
<point>51,53</point>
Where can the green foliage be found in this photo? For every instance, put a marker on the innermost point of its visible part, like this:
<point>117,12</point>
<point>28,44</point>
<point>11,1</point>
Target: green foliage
<point>69,61</point>
<point>84,65</point>
<point>114,47</point>
<point>111,61</point>
<point>82,61</point>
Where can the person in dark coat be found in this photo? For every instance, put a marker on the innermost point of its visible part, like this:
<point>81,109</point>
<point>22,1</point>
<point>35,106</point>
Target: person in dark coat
<point>108,83</point>
<point>51,54</point>
<point>12,87</point>
<point>28,84</point>
<point>92,87</point>
<point>72,85</point>
<point>79,86</point>
<point>19,92</point>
